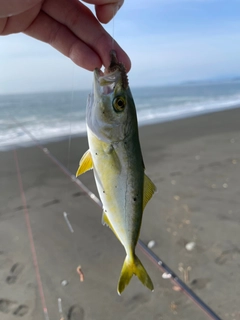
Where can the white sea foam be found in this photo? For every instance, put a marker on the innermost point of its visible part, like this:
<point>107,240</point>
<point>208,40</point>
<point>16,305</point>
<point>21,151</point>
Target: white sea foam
<point>19,138</point>
<point>187,109</point>
<point>54,116</point>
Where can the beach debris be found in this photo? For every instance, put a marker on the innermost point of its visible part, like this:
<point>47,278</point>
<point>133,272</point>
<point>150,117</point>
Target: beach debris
<point>185,272</point>
<point>176,288</point>
<point>197,157</point>
<point>115,156</point>
<point>68,222</point>
<point>60,305</point>
<point>177,198</point>
<point>190,246</point>
<point>166,275</point>
<point>60,310</point>
<point>173,307</point>
<point>64,283</point>
<point>214,186</point>
<point>225,185</point>
<point>173,182</point>
<point>234,161</point>
<point>81,275</point>
<point>151,244</point>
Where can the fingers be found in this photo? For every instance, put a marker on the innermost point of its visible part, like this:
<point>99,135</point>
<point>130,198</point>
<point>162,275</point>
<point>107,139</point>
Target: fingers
<point>83,24</point>
<point>19,22</point>
<point>106,12</point>
<point>71,28</point>
<point>106,9</point>
<point>12,7</point>
<point>46,29</point>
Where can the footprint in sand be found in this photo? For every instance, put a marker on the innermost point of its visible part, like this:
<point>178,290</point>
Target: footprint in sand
<point>15,271</point>
<point>21,310</point>
<point>75,313</point>
<point>50,203</point>
<point>200,283</point>
<point>77,194</point>
<point>8,306</point>
<point>137,300</point>
<point>227,255</point>
<point>21,208</point>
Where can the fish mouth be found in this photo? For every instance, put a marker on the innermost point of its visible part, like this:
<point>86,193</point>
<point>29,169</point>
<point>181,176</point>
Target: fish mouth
<point>107,80</point>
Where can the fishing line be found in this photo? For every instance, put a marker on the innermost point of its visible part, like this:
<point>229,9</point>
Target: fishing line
<point>148,252</point>
<point>113,28</point>
<point>114,12</point>
<point>30,236</point>
<point>70,122</point>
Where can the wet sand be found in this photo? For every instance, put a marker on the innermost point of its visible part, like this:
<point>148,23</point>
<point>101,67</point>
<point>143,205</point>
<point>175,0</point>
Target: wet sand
<point>195,164</point>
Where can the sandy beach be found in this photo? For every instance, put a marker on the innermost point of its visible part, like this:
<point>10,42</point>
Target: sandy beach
<point>195,164</point>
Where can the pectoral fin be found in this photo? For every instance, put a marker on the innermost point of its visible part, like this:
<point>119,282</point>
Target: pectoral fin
<point>148,190</point>
<point>85,163</point>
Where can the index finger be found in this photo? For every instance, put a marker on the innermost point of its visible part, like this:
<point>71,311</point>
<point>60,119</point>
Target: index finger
<point>80,20</point>
<point>106,9</point>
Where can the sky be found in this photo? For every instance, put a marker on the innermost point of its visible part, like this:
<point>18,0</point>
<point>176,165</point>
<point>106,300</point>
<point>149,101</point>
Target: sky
<point>168,41</point>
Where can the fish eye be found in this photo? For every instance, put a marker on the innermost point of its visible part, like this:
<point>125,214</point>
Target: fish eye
<point>119,104</point>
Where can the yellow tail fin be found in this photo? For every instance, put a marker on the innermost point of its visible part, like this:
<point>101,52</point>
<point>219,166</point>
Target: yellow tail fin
<point>132,265</point>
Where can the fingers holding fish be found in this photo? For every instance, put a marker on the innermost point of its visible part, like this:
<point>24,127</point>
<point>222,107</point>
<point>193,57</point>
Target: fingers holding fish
<point>81,23</point>
<point>67,25</point>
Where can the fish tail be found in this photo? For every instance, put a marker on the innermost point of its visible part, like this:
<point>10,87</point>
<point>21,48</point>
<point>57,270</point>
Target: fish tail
<point>132,265</point>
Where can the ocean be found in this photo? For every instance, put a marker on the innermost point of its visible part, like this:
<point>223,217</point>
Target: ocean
<point>57,115</point>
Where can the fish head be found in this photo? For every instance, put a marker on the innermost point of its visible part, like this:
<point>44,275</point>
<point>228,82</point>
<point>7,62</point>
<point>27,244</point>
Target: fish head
<point>111,112</point>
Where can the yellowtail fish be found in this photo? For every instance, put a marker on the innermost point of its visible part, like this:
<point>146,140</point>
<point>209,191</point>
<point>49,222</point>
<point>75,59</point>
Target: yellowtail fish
<point>116,159</point>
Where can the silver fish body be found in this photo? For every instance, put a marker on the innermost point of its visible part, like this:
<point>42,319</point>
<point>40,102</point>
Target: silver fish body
<point>116,159</point>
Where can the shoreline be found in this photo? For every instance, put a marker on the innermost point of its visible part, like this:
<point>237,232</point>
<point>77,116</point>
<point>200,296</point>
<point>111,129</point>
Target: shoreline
<point>147,123</point>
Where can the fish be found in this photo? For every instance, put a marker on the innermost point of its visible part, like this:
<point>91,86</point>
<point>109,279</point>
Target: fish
<point>116,159</point>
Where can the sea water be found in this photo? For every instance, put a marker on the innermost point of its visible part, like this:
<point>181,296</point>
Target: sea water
<point>56,115</point>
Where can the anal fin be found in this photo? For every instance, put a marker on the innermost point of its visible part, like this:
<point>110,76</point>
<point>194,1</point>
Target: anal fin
<point>106,222</point>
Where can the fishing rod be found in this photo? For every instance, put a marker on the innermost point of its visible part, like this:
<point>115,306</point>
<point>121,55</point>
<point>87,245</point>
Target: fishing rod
<point>177,281</point>
<point>147,251</point>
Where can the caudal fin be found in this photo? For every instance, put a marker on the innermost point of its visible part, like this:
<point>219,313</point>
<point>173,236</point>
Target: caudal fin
<point>132,265</point>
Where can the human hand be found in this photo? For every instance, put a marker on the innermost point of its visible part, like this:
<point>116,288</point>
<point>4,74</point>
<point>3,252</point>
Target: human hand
<point>67,25</point>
